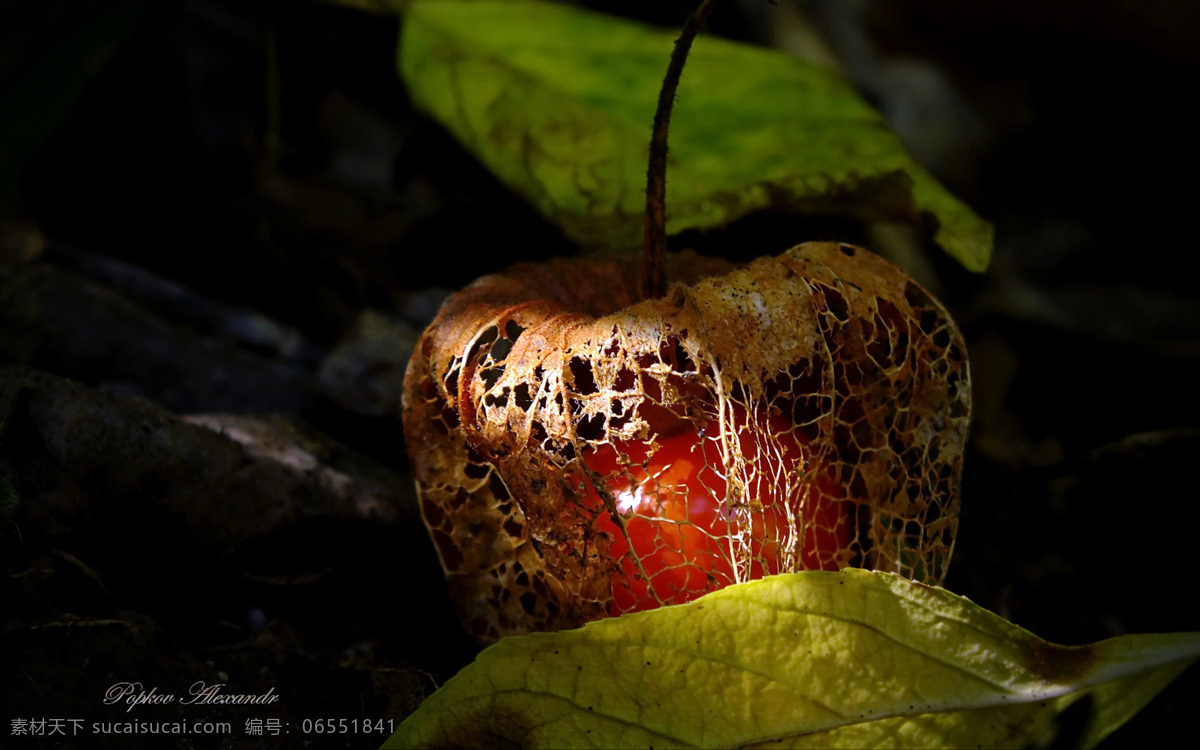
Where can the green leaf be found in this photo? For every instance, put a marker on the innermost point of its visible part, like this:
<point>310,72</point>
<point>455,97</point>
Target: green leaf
<point>816,659</point>
<point>558,103</point>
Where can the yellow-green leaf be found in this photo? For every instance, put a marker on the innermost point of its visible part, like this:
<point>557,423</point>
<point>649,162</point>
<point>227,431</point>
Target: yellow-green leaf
<point>558,103</point>
<point>816,659</point>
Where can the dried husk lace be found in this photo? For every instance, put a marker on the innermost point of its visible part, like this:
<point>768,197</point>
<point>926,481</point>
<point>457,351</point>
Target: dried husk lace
<point>524,374</point>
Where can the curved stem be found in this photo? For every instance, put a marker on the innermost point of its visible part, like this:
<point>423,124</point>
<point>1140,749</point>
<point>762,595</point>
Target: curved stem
<point>654,283</point>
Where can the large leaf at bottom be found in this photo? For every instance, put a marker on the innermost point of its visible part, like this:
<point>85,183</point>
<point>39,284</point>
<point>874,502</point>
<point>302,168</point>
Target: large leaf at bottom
<point>558,103</point>
<point>816,659</point>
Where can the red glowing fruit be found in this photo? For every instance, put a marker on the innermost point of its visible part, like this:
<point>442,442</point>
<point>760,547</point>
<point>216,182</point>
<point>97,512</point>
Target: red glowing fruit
<point>675,517</point>
<point>581,452</point>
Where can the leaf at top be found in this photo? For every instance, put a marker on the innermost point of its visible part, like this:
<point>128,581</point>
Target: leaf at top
<point>558,102</point>
<point>816,659</point>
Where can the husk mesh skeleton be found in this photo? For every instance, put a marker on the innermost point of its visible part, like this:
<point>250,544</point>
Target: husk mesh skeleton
<point>825,372</point>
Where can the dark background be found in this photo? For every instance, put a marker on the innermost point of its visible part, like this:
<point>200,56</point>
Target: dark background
<point>207,196</point>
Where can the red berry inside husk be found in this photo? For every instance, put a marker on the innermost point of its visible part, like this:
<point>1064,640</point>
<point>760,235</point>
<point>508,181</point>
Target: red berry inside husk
<point>685,532</point>
<point>582,452</point>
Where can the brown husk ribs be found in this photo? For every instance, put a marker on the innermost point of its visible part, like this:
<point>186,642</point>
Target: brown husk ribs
<point>525,374</point>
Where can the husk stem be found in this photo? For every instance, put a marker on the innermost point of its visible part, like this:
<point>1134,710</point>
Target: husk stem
<point>654,282</point>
